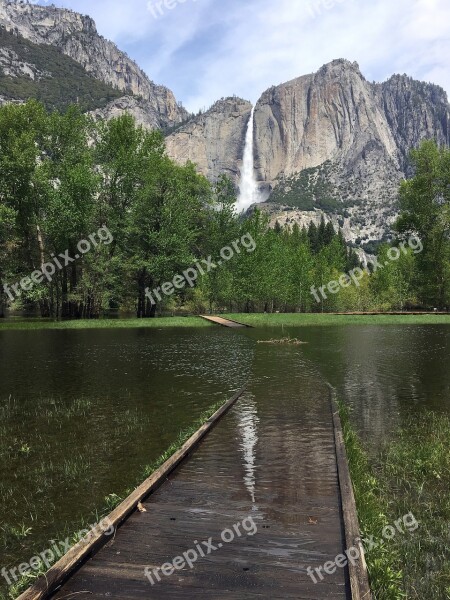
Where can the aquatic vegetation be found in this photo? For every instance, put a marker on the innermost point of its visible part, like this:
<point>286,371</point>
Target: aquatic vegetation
<point>18,532</point>
<point>288,341</point>
<point>383,561</point>
<point>410,475</point>
<point>76,467</point>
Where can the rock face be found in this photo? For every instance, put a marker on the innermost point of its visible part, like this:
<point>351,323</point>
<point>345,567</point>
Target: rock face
<point>330,143</point>
<point>76,36</point>
<point>335,114</point>
<point>330,115</point>
<point>144,111</point>
<point>214,141</point>
<point>12,66</point>
<point>414,111</point>
<point>342,142</point>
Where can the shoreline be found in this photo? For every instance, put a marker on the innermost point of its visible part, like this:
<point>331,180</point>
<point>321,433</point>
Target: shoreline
<point>249,319</point>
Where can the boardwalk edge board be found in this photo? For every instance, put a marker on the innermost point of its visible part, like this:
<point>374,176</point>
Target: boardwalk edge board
<point>60,571</point>
<point>358,575</point>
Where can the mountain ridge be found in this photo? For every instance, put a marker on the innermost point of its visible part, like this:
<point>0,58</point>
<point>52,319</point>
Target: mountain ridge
<point>76,36</point>
<point>332,144</point>
<point>328,143</point>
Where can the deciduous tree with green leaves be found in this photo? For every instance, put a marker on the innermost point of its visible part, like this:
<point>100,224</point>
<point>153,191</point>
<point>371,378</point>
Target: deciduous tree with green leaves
<point>425,212</point>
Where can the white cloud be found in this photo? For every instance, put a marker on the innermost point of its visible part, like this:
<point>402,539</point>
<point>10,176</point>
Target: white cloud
<point>206,49</point>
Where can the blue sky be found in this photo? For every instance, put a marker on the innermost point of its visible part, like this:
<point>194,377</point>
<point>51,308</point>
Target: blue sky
<point>206,49</point>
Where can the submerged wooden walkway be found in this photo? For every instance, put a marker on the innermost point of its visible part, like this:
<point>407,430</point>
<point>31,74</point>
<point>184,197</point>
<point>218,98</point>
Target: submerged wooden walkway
<point>264,496</point>
<point>224,322</point>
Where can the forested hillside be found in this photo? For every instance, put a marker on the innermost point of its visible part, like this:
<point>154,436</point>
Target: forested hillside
<point>29,70</point>
<point>85,228</point>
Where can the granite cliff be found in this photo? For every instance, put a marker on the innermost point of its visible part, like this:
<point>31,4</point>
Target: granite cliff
<point>76,37</point>
<point>326,144</point>
<point>329,143</point>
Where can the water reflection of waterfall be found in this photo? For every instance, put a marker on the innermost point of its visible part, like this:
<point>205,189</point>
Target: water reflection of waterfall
<point>248,421</point>
<point>248,188</point>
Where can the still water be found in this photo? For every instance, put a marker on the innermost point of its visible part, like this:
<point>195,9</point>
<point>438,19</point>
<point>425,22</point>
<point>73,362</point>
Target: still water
<point>384,373</point>
<point>82,412</point>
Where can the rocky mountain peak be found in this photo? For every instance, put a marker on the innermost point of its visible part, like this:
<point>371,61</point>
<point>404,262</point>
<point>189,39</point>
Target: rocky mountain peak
<point>44,24</point>
<point>338,66</point>
<point>328,143</point>
<point>76,36</point>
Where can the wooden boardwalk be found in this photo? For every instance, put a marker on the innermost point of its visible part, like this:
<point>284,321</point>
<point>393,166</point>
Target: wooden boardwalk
<point>270,468</point>
<point>223,322</point>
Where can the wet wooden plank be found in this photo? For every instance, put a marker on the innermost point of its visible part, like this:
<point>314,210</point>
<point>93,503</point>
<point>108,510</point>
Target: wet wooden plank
<point>224,322</point>
<point>268,462</point>
<point>60,570</point>
<point>272,459</point>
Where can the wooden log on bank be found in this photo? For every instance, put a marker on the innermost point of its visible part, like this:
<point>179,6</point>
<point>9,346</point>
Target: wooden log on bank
<point>359,579</point>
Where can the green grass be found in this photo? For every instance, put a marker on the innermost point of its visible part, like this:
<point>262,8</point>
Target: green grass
<point>307,319</point>
<point>157,323</point>
<point>415,470</point>
<point>383,562</point>
<point>411,475</point>
<point>254,319</point>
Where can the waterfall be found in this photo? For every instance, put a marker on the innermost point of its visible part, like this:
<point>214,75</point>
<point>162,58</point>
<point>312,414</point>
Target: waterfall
<point>248,188</point>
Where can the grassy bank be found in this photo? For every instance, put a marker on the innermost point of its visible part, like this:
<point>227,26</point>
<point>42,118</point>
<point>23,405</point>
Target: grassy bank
<point>410,477</point>
<point>111,502</point>
<point>255,320</point>
<point>158,323</point>
<point>305,319</point>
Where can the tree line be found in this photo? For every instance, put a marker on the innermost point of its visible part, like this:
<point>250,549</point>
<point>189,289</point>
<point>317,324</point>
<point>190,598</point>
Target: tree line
<point>64,176</point>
